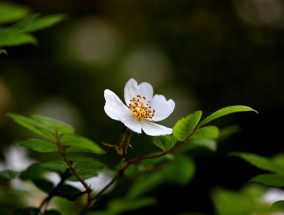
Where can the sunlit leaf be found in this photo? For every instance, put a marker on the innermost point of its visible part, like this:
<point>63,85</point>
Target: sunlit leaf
<point>81,142</point>
<point>207,132</point>
<point>54,124</point>
<point>261,162</point>
<point>270,180</point>
<point>12,37</point>
<point>32,125</point>
<point>185,126</point>
<point>39,145</point>
<point>164,142</point>
<point>225,111</point>
<point>10,12</point>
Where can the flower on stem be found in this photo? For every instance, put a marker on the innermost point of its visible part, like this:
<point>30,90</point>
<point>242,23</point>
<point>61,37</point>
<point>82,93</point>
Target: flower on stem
<point>142,109</point>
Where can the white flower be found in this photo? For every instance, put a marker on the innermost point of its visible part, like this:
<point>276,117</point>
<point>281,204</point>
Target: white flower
<point>142,109</point>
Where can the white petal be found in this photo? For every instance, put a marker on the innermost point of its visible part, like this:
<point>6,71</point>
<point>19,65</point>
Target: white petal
<point>114,107</point>
<point>163,108</point>
<point>132,123</point>
<point>132,89</point>
<point>153,129</point>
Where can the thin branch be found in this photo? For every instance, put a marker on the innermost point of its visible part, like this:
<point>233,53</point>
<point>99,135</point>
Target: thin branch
<point>69,163</point>
<point>45,202</point>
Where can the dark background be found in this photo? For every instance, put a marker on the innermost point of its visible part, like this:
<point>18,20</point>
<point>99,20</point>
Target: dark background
<point>204,54</point>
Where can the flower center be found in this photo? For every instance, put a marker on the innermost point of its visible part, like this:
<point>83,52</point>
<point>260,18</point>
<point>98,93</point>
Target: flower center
<point>141,107</point>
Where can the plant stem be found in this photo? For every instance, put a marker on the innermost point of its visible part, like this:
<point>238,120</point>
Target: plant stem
<point>72,169</point>
<point>53,192</point>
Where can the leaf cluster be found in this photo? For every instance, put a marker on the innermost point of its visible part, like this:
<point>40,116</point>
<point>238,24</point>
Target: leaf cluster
<point>170,165</point>
<point>17,24</point>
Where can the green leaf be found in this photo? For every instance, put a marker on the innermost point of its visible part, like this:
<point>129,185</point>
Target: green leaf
<point>32,125</point>
<point>164,142</point>
<point>36,23</point>
<point>3,51</point>
<point>12,37</point>
<point>209,144</point>
<point>261,162</point>
<point>89,168</point>
<point>8,175</point>
<point>39,145</point>
<point>270,180</point>
<point>12,12</point>
<point>179,171</point>
<point>43,184</point>
<point>225,111</point>
<point>54,124</point>
<point>119,206</point>
<point>234,203</point>
<point>208,132</point>
<point>68,191</point>
<point>81,142</point>
<point>186,125</point>
<point>278,206</point>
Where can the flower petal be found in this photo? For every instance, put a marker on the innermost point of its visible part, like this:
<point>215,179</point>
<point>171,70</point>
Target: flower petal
<point>132,89</point>
<point>153,129</point>
<point>163,108</point>
<point>114,107</point>
<point>132,123</point>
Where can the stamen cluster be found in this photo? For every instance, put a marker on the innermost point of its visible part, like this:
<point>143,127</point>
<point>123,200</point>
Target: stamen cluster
<point>141,108</point>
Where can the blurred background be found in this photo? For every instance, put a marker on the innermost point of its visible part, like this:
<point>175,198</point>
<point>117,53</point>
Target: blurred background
<point>205,55</point>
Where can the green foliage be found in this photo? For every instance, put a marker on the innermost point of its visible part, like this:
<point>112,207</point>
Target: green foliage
<point>208,132</point>
<point>8,175</point>
<point>55,125</point>
<point>32,125</point>
<point>225,111</point>
<point>183,127</point>
<point>237,202</point>
<point>269,180</point>
<point>39,145</point>
<point>123,205</point>
<point>164,142</point>
<point>278,206</point>
<point>261,162</point>
<point>73,161</point>
<point>178,171</point>
<point>18,33</point>
<point>89,168</point>
<point>80,144</point>
<point>12,12</point>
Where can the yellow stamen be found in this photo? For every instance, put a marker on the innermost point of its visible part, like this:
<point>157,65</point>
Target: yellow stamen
<point>140,107</point>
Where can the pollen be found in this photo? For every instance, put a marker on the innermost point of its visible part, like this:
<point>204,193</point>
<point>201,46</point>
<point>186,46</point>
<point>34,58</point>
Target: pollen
<point>141,107</point>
